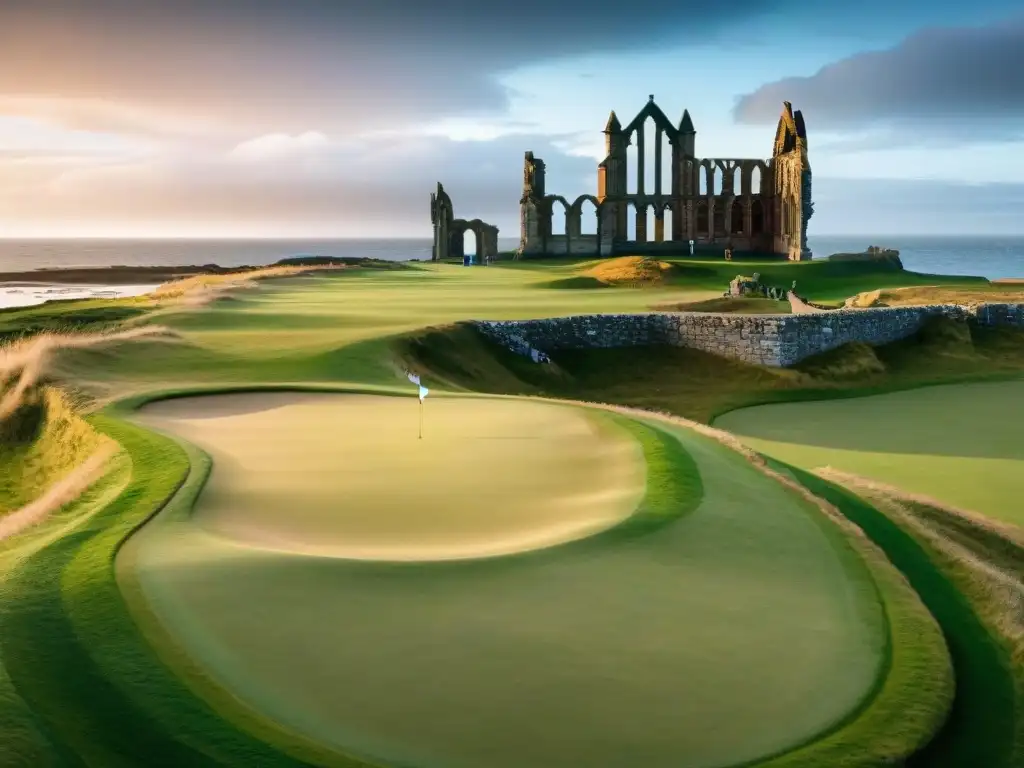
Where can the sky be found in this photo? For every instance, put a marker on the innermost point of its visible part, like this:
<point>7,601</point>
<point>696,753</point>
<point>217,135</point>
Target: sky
<point>336,118</point>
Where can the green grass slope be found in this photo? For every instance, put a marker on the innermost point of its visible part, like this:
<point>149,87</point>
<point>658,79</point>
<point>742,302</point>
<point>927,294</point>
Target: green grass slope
<point>819,280</point>
<point>702,386</point>
<point>985,561</point>
<point>981,729</point>
<point>84,315</point>
<point>953,442</point>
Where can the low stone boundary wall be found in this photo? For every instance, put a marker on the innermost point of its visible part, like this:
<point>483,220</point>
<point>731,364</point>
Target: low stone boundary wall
<point>773,340</point>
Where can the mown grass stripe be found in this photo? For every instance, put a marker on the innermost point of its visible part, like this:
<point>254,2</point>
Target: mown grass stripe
<point>980,728</point>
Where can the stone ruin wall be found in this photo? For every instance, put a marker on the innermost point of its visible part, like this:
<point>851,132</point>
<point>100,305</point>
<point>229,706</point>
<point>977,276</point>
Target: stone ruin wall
<point>577,245</point>
<point>772,340</point>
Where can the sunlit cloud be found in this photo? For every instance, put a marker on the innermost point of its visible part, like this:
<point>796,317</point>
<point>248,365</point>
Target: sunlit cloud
<point>278,146</point>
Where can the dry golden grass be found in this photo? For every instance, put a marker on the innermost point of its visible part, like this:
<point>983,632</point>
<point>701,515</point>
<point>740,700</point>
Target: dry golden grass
<point>199,290</point>
<point>50,457</point>
<point>64,490</point>
<point>1008,291</point>
<point>23,364</point>
<point>635,271</point>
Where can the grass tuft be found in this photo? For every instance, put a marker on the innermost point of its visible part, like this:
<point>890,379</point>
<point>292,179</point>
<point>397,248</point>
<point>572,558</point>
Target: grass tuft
<point>41,442</point>
<point>849,362</point>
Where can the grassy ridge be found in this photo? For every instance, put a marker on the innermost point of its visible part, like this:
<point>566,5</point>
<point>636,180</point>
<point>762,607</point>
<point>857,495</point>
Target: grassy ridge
<point>674,486</point>
<point>980,730</point>
<point>985,561</point>
<point>820,280</point>
<point>45,444</point>
<point>703,386</point>
<point>79,315</point>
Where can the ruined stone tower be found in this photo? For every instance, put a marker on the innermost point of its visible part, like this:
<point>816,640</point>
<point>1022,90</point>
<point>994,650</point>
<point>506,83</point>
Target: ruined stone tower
<point>533,224</point>
<point>792,178</point>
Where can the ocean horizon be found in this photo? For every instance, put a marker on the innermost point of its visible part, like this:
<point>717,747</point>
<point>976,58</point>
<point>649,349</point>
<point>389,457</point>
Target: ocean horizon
<point>991,257</point>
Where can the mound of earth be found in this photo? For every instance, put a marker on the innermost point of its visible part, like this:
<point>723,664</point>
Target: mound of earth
<point>48,454</point>
<point>630,271</point>
<point>886,257</point>
<point>852,361</point>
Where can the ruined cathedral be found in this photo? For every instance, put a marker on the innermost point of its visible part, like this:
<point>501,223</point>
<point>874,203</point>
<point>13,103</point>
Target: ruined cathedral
<point>743,205</point>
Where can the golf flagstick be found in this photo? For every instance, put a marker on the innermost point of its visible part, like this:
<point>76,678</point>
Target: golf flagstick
<point>423,394</point>
<point>415,379</point>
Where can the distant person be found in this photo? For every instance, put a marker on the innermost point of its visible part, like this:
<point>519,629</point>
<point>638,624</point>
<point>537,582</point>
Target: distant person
<point>728,254</point>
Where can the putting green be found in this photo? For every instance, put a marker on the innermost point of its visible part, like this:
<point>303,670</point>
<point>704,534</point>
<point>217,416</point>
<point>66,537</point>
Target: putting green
<point>958,443</point>
<point>741,629</point>
<point>348,477</point>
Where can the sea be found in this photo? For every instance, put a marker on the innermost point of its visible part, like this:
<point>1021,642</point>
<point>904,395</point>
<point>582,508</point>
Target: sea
<point>990,257</point>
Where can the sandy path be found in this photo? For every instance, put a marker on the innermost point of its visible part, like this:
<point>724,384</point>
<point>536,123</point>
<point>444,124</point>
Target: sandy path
<point>346,476</point>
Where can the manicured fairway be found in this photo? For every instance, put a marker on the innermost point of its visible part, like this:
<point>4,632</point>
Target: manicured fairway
<point>958,443</point>
<point>738,630</point>
<point>348,477</point>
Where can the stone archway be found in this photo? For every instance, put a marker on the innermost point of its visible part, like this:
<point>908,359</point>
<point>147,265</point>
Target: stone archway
<point>449,232</point>
<point>486,237</point>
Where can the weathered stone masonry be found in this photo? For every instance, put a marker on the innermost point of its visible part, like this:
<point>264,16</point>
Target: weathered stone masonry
<point>773,340</point>
<point>740,204</point>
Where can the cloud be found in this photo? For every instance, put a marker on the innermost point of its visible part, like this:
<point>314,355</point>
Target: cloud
<point>354,188</point>
<point>276,146</point>
<point>194,66</point>
<point>381,186</point>
<point>963,81</point>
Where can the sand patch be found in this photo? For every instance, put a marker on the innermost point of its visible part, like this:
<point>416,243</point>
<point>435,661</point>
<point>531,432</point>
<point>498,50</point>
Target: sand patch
<point>346,476</point>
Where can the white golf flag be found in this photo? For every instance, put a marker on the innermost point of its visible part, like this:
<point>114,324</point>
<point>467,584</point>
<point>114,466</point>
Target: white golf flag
<point>423,392</point>
<point>414,378</point>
